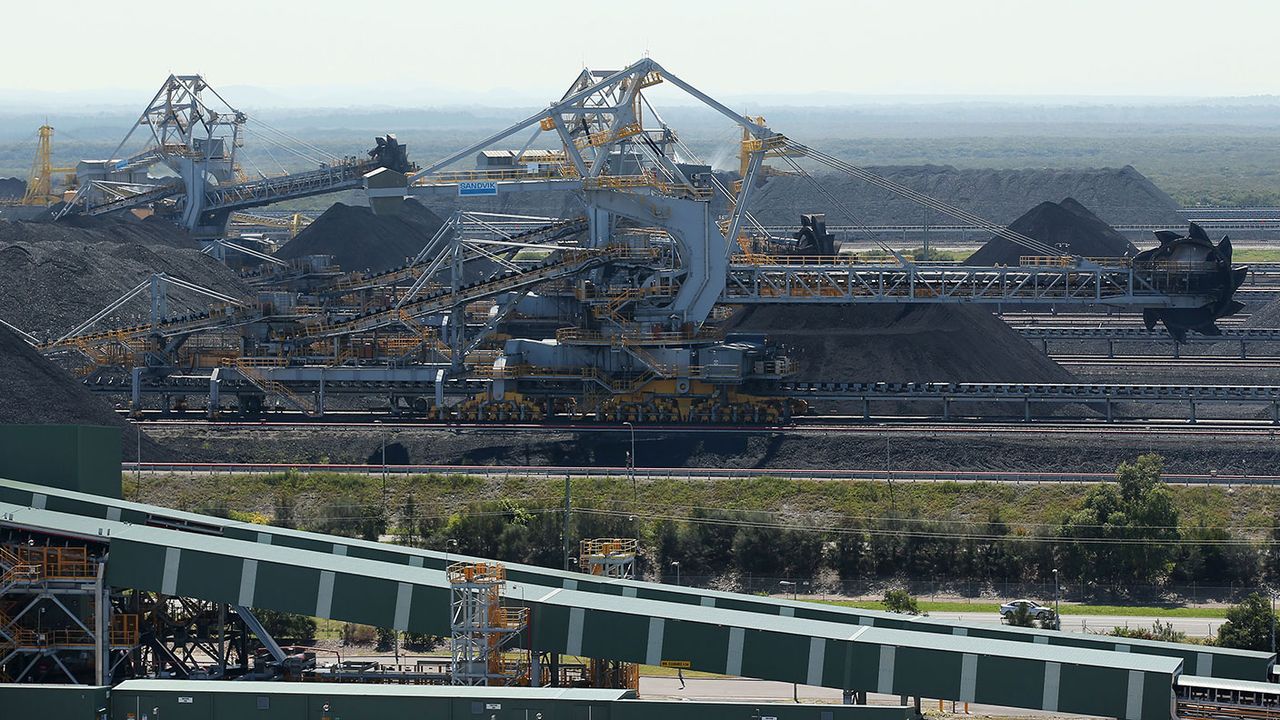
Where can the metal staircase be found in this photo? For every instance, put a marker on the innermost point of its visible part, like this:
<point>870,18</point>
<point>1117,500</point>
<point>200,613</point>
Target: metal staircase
<point>15,571</point>
<point>249,370</point>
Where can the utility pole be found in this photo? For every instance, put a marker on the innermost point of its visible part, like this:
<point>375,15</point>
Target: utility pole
<point>568,507</point>
<point>925,250</point>
<point>1056,615</point>
<point>635,492</point>
<point>888,476</point>
<point>1273,593</point>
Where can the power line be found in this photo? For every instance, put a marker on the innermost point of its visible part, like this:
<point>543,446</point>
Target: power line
<point>890,532</point>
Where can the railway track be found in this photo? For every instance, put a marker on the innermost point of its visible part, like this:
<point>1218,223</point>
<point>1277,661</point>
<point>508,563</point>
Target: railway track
<point>1182,362</point>
<point>846,424</point>
<point>667,473</point>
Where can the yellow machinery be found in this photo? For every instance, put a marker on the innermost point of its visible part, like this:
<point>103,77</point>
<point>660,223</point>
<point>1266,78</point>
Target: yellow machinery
<point>40,179</point>
<point>486,640</point>
<point>609,557</point>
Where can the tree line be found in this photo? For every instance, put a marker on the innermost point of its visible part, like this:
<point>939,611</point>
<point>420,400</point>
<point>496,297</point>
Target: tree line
<point>1125,535</point>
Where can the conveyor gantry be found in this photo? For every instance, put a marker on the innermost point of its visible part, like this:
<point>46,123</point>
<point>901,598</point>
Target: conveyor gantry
<point>841,280</point>
<point>409,597</point>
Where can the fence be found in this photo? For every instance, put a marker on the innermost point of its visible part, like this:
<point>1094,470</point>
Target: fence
<point>658,473</point>
<point>971,590</point>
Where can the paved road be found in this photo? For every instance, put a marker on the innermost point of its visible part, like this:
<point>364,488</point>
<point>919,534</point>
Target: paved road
<point>744,690</point>
<point>1193,626</point>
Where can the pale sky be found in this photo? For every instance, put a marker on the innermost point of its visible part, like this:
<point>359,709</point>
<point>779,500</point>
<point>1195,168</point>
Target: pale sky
<point>428,53</point>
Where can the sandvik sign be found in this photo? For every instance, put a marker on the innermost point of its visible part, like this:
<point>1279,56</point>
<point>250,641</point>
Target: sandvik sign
<point>477,188</point>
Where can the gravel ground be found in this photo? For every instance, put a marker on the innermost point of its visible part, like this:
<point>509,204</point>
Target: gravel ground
<point>909,449</point>
<point>55,276</point>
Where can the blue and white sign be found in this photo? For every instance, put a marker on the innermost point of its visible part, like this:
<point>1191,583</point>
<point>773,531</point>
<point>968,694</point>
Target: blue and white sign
<point>477,188</point>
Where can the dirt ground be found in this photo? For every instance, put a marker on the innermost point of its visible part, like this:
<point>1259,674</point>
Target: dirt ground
<point>797,449</point>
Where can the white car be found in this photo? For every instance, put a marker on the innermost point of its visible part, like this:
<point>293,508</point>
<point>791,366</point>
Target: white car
<point>1034,609</point>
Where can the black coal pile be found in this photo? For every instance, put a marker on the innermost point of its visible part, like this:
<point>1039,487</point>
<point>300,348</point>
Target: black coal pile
<point>1067,226</point>
<point>12,188</point>
<point>1120,196</point>
<point>53,276</point>
<point>359,240</point>
<point>1266,315</point>
<point>37,392</point>
<point>900,343</point>
<point>119,228</point>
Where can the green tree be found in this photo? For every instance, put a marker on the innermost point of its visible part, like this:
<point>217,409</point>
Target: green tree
<point>421,641</point>
<point>1160,630</point>
<point>1248,625</point>
<point>1271,562</point>
<point>1126,532</point>
<point>386,639</point>
<point>1021,617</point>
<point>284,626</point>
<point>898,600</point>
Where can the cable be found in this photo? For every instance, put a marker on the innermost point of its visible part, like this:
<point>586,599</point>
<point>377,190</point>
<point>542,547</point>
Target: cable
<point>840,206</point>
<point>271,141</point>
<point>924,200</point>
<point>293,139</point>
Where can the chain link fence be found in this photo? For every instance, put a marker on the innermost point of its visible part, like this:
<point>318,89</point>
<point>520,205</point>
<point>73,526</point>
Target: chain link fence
<point>972,590</point>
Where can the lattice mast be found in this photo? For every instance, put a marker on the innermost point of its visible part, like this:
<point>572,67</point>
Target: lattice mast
<point>609,557</point>
<point>485,634</point>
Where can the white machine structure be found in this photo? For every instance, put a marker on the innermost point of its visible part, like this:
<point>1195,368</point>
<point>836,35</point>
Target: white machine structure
<point>613,313</point>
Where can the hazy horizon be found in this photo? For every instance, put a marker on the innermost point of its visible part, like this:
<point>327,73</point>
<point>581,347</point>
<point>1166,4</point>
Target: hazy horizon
<point>401,53</point>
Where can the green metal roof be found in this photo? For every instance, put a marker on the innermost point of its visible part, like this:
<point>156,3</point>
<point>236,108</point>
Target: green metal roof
<point>733,642</point>
<point>1203,660</point>
<point>437,691</point>
<point>1268,688</point>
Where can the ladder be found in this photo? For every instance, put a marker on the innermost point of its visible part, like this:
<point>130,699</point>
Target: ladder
<point>269,387</point>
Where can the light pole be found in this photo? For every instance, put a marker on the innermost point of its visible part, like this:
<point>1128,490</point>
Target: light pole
<point>788,583</point>
<point>631,458</point>
<point>1273,593</point>
<point>1056,615</point>
<point>447,543</point>
<point>631,469</point>
<point>676,564</point>
<point>795,687</point>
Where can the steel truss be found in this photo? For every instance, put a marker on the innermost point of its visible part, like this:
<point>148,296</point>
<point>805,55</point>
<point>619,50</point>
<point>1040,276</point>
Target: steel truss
<point>840,281</point>
<point>483,630</point>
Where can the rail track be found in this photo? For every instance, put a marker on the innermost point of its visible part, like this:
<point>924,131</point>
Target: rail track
<point>850,424</point>
<point>668,473</point>
<point>1182,362</point>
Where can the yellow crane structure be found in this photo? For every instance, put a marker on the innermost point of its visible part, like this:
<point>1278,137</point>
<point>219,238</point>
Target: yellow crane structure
<point>40,179</point>
<point>294,222</point>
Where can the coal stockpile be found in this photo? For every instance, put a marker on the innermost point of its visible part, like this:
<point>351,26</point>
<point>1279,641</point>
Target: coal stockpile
<point>359,240</point>
<point>1067,226</point>
<point>53,276</point>
<point>1265,316</point>
<point>12,188</point>
<point>899,343</point>
<point>37,392</point>
<point>120,228</point>
<point>1120,196</point>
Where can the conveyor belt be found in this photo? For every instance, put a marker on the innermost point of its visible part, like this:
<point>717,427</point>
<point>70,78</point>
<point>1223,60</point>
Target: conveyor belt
<point>1046,332</point>
<point>1063,392</point>
<point>1204,660</point>
<point>264,575</point>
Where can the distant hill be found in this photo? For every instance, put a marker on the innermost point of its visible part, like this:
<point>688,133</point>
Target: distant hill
<point>1117,195</point>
